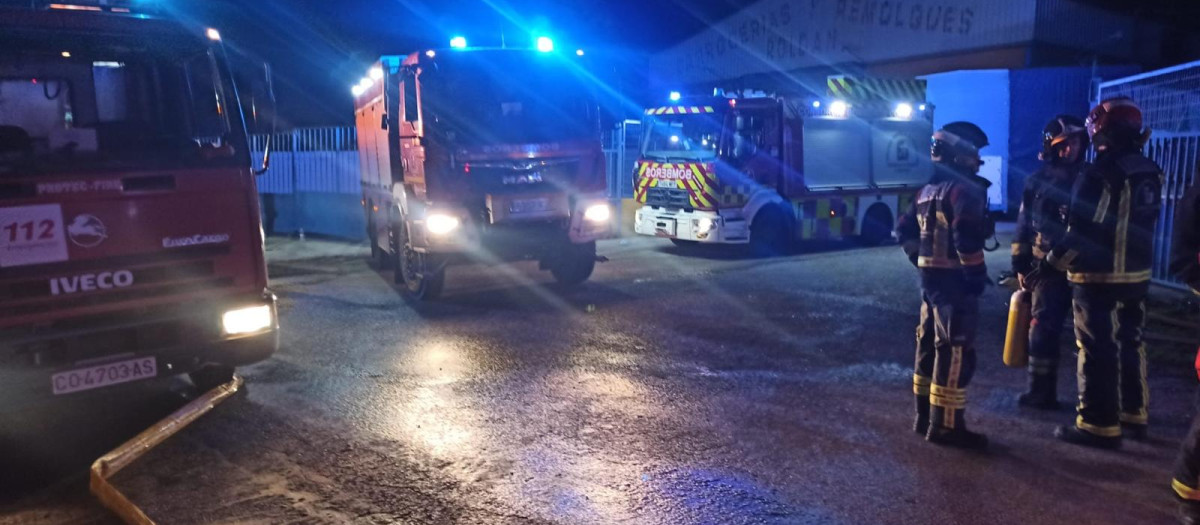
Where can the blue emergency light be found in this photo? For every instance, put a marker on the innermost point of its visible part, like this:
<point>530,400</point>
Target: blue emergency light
<point>544,44</point>
<point>675,96</point>
<point>458,42</point>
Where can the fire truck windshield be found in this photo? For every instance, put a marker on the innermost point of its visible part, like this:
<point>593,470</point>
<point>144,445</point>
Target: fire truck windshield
<point>688,137</point>
<point>71,108</point>
<point>509,98</point>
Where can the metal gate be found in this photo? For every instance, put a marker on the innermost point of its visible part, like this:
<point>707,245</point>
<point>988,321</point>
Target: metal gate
<point>313,184</point>
<point>1170,102</point>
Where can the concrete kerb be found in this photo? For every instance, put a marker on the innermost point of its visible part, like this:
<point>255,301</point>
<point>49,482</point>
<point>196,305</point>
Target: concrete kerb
<point>110,464</point>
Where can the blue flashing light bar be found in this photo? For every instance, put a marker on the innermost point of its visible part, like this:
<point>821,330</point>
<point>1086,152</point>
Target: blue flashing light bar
<point>458,42</point>
<point>675,96</point>
<point>545,44</point>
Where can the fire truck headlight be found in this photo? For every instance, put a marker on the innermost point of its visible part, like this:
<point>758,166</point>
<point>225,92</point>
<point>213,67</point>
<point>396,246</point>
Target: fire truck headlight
<point>441,223</point>
<point>704,225</point>
<point>247,320</point>
<point>598,213</point>
<point>839,109</point>
<point>903,110</point>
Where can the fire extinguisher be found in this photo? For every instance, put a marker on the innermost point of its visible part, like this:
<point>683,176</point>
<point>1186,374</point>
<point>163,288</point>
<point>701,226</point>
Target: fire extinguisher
<point>1016,341</point>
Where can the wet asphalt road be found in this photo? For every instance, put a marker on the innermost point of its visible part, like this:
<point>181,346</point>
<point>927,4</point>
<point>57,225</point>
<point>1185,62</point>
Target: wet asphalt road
<point>675,387</point>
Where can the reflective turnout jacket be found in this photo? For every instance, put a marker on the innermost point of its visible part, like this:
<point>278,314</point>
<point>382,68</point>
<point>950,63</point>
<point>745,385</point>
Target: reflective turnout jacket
<point>1185,262</point>
<point>946,225</point>
<point>1042,221</point>
<point>1110,225</point>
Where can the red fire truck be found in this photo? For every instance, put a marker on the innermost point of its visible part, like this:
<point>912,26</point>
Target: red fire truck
<point>768,170</point>
<point>130,239</point>
<point>487,155</point>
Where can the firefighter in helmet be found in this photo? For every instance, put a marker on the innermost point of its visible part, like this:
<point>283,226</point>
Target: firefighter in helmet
<point>1041,223</point>
<point>943,233</point>
<point>1185,263</point>
<point>1107,253</point>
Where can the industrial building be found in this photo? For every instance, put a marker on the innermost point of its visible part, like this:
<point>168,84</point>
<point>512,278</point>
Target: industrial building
<point>1008,66</point>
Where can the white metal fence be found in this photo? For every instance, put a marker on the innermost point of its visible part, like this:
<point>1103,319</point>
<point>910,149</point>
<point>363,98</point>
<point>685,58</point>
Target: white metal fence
<point>310,160</point>
<point>1170,102</point>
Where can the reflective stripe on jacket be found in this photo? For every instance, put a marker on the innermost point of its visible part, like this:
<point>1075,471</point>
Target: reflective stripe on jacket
<point>1110,225</point>
<point>946,225</point>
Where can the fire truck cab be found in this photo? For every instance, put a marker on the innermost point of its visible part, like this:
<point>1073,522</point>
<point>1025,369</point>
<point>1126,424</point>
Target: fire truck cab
<point>485,155</point>
<point>130,239</point>
<point>769,170</point>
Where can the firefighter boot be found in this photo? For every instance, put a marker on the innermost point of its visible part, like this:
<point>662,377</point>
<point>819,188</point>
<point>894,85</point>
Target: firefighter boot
<point>955,435</point>
<point>921,425</point>
<point>1076,436</point>
<point>1043,392</point>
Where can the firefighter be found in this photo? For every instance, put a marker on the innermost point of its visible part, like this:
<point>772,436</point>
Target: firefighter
<point>1107,254</point>
<point>1041,222</point>
<point>1186,265</point>
<point>943,233</point>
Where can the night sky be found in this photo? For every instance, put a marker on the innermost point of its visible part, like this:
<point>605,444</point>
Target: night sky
<point>319,48</point>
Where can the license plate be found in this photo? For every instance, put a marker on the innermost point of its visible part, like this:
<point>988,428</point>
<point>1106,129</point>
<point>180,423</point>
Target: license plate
<point>664,227</point>
<point>528,205</point>
<point>107,374</point>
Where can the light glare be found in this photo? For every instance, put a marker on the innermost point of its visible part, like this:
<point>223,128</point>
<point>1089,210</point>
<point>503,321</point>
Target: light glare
<point>213,34</point>
<point>903,110</point>
<point>839,109</point>
<point>598,213</point>
<point>545,44</point>
<point>458,42</point>
<point>675,96</point>
<point>376,73</point>
<point>441,224</point>
<point>247,320</point>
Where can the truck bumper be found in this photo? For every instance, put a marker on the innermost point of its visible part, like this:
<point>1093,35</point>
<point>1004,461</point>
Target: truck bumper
<point>517,237</point>
<point>181,339</point>
<point>724,227</point>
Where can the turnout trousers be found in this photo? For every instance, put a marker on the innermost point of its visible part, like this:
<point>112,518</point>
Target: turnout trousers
<point>1109,319</point>
<point>945,360</point>
<point>1051,305</point>
<point>1187,464</point>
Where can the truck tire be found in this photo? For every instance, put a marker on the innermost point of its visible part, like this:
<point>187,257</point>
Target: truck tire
<point>423,275</point>
<point>574,264</point>
<point>209,377</point>
<point>877,226</point>
<point>770,233</point>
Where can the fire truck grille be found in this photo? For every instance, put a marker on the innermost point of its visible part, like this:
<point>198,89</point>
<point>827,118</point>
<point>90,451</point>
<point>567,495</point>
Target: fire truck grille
<point>521,178</point>
<point>668,198</point>
<point>39,295</point>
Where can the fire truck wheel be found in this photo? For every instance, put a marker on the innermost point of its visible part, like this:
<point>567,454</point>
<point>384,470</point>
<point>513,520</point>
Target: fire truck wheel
<point>877,226</point>
<point>574,264</point>
<point>770,233</point>
<point>423,275</point>
<point>209,377</point>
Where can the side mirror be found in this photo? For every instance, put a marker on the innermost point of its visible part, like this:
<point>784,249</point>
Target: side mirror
<point>268,88</point>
